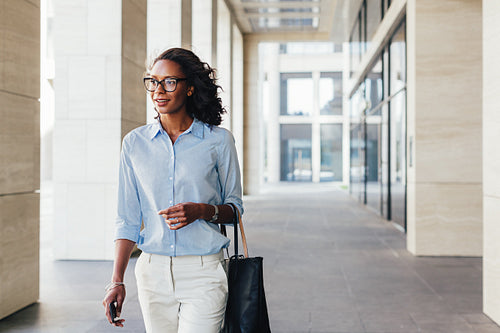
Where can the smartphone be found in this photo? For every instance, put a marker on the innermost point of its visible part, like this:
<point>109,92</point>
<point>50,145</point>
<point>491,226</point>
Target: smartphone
<point>112,311</point>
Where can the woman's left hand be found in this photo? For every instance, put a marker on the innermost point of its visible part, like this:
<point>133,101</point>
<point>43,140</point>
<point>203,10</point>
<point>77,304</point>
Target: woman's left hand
<point>180,215</point>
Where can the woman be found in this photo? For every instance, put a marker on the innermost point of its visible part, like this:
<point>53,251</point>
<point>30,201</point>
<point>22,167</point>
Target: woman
<point>178,176</point>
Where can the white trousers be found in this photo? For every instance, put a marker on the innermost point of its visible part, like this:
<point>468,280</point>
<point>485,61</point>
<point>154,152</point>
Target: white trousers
<point>185,294</point>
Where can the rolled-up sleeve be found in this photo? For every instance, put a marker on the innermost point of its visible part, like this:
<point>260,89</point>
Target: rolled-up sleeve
<point>129,217</point>
<point>229,172</point>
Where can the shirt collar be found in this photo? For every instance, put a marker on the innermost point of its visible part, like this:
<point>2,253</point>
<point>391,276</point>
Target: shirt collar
<point>197,128</point>
<point>155,129</point>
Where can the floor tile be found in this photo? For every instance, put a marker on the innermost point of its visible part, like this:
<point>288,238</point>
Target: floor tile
<point>330,265</point>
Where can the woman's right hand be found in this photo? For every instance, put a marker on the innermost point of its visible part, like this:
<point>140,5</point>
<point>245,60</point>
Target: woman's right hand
<point>116,294</point>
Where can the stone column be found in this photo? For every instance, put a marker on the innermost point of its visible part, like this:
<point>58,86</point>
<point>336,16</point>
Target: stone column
<point>19,154</point>
<point>237,92</point>
<point>273,121</point>
<point>99,48</point>
<point>346,128</point>
<point>204,30</point>
<point>316,131</point>
<point>252,167</point>
<point>224,59</point>
<point>444,127</point>
<point>168,25</point>
<point>491,159</point>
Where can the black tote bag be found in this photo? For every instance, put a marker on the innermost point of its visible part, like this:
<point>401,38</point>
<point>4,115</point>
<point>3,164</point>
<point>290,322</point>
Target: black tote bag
<point>246,309</point>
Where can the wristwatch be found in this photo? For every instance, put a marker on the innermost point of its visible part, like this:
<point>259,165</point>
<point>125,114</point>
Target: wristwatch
<point>216,214</point>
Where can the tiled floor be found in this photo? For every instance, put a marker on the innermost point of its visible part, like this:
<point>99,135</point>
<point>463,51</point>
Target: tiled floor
<point>331,265</point>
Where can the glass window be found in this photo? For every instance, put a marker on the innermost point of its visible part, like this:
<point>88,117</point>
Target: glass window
<point>355,47</point>
<point>330,93</point>
<point>398,59</point>
<point>357,103</point>
<point>398,126</point>
<point>378,140</point>
<point>387,4</point>
<point>362,33</point>
<point>296,147</point>
<point>372,166</point>
<point>309,48</point>
<point>331,152</point>
<point>296,94</point>
<point>374,87</point>
<point>357,167</point>
<point>398,157</point>
<point>373,17</point>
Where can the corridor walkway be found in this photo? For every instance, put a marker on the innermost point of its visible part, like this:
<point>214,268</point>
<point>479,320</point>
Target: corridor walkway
<point>331,265</point>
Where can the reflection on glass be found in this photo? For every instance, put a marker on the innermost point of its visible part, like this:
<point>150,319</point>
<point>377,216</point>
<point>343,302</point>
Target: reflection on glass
<point>296,94</point>
<point>378,157</point>
<point>310,48</point>
<point>362,33</point>
<point>373,18</point>
<point>355,51</point>
<point>357,170</point>
<point>357,103</point>
<point>330,93</point>
<point>398,60</point>
<point>398,158</point>
<point>374,86</point>
<point>372,166</point>
<point>331,152</point>
<point>296,153</point>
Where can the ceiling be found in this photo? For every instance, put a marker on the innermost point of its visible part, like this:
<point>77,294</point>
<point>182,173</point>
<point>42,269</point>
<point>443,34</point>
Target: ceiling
<point>290,19</point>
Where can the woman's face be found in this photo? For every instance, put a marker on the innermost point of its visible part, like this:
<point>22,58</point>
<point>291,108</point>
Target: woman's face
<point>169,102</point>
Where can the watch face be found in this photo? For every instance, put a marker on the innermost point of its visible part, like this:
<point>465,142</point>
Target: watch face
<point>216,214</point>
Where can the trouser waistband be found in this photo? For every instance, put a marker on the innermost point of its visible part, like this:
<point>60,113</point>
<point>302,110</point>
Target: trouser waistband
<point>182,260</point>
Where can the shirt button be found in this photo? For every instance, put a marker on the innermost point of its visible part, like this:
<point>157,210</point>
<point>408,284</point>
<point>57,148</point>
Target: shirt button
<point>171,201</point>
<point>171,246</point>
<point>170,178</point>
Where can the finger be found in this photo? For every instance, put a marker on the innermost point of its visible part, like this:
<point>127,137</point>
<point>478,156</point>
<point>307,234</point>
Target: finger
<point>178,226</point>
<point>171,209</point>
<point>173,215</point>
<point>176,220</point>
<point>119,323</point>
<point>119,304</point>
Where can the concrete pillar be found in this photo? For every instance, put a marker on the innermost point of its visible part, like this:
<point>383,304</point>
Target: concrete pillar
<point>224,59</point>
<point>252,167</point>
<point>273,124</point>
<point>99,58</point>
<point>491,158</point>
<point>237,91</point>
<point>186,23</point>
<point>169,24</point>
<point>204,30</point>
<point>346,109</point>
<point>316,131</point>
<point>19,154</point>
<point>444,45</point>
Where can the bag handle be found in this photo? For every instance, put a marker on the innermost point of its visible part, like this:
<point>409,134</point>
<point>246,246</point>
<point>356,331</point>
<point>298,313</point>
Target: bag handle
<point>237,221</point>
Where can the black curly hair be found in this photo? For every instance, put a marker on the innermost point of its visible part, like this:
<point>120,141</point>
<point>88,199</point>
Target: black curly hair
<point>204,104</point>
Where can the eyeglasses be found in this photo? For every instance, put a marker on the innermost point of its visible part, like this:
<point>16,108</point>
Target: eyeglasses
<point>169,84</point>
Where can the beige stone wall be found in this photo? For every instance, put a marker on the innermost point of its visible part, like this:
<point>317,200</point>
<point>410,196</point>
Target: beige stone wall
<point>491,158</point>
<point>99,97</point>
<point>19,154</point>
<point>134,25</point>
<point>444,44</point>
<point>252,168</point>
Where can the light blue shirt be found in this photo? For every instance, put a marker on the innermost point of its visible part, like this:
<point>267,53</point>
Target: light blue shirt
<point>201,166</point>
